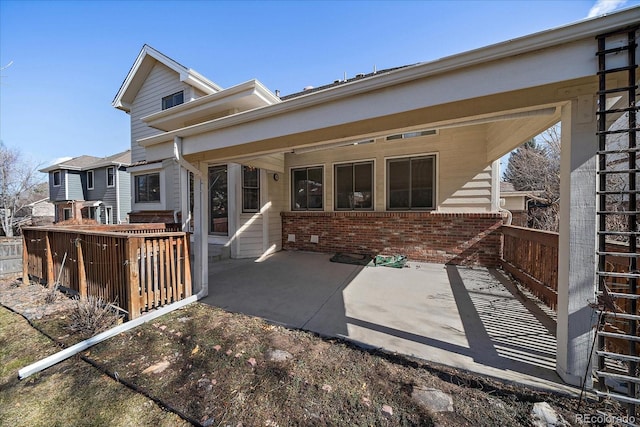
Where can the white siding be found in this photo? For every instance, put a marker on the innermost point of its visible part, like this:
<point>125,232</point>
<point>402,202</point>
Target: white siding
<point>162,81</point>
<point>249,235</point>
<point>276,195</point>
<point>463,181</point>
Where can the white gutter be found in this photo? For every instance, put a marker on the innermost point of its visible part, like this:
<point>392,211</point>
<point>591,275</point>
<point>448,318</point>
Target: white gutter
<point>81,346</point>
<point>579,31</point>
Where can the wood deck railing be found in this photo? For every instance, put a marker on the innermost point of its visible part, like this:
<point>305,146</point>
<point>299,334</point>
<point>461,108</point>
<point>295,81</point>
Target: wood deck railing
<point>531,257</point>
<point>139,267</point>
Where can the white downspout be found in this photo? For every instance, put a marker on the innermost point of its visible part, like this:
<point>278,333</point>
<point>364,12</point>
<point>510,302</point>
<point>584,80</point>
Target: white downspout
<point>118,192</point>
<point>201,254</point>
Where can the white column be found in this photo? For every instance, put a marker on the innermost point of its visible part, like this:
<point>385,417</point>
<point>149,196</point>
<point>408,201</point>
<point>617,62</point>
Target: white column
<point>495,186</point>
<point>577,246</point>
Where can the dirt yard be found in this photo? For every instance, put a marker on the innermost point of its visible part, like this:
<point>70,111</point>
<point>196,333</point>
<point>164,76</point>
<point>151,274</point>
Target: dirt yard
<point>205,366</point>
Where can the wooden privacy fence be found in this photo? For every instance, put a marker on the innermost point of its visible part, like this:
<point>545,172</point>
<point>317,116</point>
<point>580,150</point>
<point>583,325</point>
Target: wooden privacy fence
<point>139,267</point>
<point>531,256</point>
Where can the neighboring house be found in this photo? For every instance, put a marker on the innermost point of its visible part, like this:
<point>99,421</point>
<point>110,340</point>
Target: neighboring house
<point>91,188</point>
<point>516,202</point>
<point>40,212</point>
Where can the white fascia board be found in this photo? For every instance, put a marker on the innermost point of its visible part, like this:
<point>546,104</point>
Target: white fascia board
<point>511,50</point>
<point>144,168</point>
<point>188,76</point>
<point>222,98</point>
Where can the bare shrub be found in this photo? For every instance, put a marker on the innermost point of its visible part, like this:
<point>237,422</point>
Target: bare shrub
<point>91,315</point>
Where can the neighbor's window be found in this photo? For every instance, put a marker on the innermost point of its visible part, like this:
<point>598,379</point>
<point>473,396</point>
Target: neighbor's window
<point>67,213</point>
<point>173,100</point>
<point>411,183</point>
<point>111,176</point>
<point>354,186</point>
<point>307,188</point>
<point>147,188</point>
<point>56,179</point>
<point>90,180</point>
<point>250,189</point>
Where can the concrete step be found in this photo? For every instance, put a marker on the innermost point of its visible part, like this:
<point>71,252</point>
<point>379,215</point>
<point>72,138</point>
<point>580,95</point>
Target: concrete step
<point>219,253</point>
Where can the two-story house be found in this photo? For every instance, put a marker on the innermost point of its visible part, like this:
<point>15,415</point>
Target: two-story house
<point>91,187</point>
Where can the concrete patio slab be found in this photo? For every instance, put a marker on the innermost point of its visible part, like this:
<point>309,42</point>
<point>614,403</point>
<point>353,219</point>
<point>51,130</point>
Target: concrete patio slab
<point>466,318</point>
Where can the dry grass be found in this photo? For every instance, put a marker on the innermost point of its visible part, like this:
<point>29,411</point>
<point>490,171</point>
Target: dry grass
<point>212,365</point>
<point>91,315</point>
<point>71,393</point>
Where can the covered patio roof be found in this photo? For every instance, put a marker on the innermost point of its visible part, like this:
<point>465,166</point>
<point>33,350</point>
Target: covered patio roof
<point>515,89</point>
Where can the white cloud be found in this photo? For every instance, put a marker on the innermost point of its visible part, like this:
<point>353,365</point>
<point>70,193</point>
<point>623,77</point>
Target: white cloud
<point>605,6</point>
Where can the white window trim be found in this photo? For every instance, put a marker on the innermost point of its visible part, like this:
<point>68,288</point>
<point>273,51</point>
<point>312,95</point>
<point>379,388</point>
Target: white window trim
<point>114,176</point>
<point>242,208</point>
<point>70,213</point>
<point>373,189</point>
<point>436,183</point>
<point>93,182</point>
<point>324,190</point>
<point>148,206</point>
<point>53,178</point>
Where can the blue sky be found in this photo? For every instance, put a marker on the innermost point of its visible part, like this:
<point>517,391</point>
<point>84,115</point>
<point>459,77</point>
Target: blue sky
<point>68,58</point>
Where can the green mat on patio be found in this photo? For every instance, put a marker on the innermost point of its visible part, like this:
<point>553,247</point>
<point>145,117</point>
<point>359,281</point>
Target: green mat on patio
<point>396,261</point>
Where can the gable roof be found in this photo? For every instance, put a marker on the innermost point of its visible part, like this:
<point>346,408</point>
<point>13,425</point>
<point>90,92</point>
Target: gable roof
<point>85,162</point>
<point>141,68</point>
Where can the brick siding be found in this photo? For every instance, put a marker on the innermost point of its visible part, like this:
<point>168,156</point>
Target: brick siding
<point>460,238</point>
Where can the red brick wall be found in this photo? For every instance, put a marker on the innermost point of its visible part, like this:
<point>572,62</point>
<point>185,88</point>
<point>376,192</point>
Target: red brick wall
<point>469,239</point>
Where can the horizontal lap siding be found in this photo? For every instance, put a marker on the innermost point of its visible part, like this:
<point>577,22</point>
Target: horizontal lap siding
<point>250,235</point>
<point>160,82</point>
<point>468,239</point>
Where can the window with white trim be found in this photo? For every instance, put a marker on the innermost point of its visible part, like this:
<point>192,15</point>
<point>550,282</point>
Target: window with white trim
<point>67,213</point>
<point>411,183</point>
<point>111,176</point>
<point>307,188</point>
<point>173,100</point>
<point>353,186</point>
<point>250,189</point>
<point>57,178</point>
<point>147,188</point>
<point>90,180</point>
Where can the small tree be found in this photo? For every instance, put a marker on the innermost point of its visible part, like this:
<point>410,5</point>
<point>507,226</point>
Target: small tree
<point>18,182</point>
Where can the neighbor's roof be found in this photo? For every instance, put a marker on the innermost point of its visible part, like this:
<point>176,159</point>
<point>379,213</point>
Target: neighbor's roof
<point>90,162</point>
<point>141,68</point>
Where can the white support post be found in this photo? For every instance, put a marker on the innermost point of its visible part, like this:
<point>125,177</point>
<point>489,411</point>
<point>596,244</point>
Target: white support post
<point>577,244</point>
<point>495,186</point>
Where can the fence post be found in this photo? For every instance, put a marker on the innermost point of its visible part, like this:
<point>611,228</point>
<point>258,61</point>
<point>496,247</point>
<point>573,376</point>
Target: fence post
<point>51,280</point>
<point>82,273</point>
<point>25,260</point>
<point>187,266</point>
<point>133,282</point>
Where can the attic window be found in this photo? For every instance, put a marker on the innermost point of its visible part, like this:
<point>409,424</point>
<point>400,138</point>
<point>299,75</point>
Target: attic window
<point>412,134</point>
<point>173,100</point>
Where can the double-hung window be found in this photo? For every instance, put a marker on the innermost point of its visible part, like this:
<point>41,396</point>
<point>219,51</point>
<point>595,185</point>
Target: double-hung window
<point>354,186</point>
<point>307,188</point>
<point>56,178</point>
<point>147,188</point>
<point>411,183</point>
<point>250,189</point>
<point>111,176</point>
